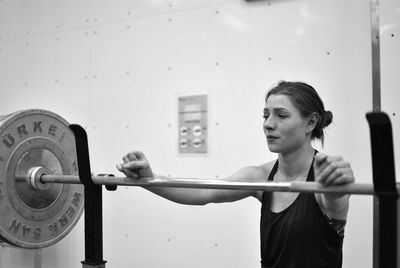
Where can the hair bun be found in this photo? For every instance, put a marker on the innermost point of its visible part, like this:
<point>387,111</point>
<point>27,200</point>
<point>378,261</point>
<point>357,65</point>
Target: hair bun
<point>327,118</point>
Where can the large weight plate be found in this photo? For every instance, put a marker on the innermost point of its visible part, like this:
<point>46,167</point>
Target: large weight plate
<point>32,218</point>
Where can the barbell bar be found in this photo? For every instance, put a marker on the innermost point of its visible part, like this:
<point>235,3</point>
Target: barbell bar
<point>268,186</point>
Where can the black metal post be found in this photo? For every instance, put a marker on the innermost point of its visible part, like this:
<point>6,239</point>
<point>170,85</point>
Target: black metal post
<point>385,227</point>
<point>93,204</point>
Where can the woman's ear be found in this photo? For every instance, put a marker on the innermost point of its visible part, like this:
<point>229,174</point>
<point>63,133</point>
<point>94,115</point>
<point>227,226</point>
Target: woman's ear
<point>312,122</point>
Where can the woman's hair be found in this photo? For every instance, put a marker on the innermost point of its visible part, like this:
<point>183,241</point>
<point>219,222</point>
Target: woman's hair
<point>306,99</point>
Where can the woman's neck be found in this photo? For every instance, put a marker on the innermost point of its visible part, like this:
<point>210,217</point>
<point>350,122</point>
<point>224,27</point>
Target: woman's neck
<point>296,164</point>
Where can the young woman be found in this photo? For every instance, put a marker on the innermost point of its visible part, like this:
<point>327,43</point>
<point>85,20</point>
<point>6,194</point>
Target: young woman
<point>297,230</point>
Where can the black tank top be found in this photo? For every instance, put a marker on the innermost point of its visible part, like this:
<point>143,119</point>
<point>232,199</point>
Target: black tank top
<point>300,235</point>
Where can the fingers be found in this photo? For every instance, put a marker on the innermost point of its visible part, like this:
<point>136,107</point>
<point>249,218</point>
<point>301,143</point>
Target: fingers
<point>127,172</point>
<point>135,155</point>
<point>138,164</point>
<point>135,165</point>
<point>332,170</point>
<point>119,167</point>
<point>331,166</point>
<point>320,163</point>
<point>320,158</point>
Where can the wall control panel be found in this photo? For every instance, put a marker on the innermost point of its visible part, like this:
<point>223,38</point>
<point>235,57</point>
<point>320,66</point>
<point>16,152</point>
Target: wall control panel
<point>192,128</point>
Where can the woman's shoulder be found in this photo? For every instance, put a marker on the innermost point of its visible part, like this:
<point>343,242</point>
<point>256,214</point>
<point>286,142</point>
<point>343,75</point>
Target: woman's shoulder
<point>257,173</point>
<point>267,167</point>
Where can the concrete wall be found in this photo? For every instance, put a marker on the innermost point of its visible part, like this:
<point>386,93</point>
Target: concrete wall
<point>118,67</point>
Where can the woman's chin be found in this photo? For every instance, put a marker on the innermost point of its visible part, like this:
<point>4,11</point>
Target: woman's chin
<point>273,149</point>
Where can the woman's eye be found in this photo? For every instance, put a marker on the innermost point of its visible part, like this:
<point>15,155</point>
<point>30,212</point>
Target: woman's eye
<point>265,116</point>
<point>282,116</point>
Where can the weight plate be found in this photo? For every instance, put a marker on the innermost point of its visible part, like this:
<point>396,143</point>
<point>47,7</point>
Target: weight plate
<point>29,217</point>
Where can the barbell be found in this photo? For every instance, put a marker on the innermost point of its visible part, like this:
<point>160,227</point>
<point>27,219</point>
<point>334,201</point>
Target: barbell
<point>41,196</point>
<point>41,180</point>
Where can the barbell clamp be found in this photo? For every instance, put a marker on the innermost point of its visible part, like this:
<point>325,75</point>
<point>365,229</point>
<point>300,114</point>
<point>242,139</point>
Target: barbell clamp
<point>109,187</point>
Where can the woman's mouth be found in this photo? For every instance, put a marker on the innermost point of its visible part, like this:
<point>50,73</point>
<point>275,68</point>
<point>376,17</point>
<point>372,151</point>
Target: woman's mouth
<point>272,138</point>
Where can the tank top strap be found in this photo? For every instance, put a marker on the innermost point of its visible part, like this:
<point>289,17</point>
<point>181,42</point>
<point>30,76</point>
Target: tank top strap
<point>310,176</point>
<point>273,171</point>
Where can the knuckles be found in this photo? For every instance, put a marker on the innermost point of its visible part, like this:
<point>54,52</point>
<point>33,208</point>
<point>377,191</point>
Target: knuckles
<point>333,170</point>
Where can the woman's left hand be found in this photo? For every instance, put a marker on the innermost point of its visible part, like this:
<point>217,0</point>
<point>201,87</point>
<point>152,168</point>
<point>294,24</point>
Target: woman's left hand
<point>332,170</point>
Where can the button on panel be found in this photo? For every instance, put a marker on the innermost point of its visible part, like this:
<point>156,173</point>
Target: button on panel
<point>197,130</point>
<point>197,143</point>
<point>184,131</point>
<point>183,143</point>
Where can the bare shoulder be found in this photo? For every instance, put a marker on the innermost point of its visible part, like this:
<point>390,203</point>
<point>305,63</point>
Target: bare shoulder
<point>267,167</point>
<point>253,174</point>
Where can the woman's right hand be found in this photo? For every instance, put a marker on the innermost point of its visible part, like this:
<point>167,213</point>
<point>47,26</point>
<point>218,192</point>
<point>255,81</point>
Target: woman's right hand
<point>135,165</point>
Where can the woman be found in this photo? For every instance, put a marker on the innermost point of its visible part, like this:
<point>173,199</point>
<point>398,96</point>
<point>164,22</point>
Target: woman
<point>297,230</point>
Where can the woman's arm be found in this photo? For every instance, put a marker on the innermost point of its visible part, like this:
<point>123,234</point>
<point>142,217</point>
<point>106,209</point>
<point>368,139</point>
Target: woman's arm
<point>333,170</point>
<point>137,166</point>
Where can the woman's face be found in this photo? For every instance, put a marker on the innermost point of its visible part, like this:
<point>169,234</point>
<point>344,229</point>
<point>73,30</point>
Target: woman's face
<point>284,126</point>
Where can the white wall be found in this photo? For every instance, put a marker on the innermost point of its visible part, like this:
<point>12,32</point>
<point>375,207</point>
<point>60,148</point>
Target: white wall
<point>117,67</point>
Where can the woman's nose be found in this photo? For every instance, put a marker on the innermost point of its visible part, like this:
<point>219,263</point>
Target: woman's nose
<point>269,123</point>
